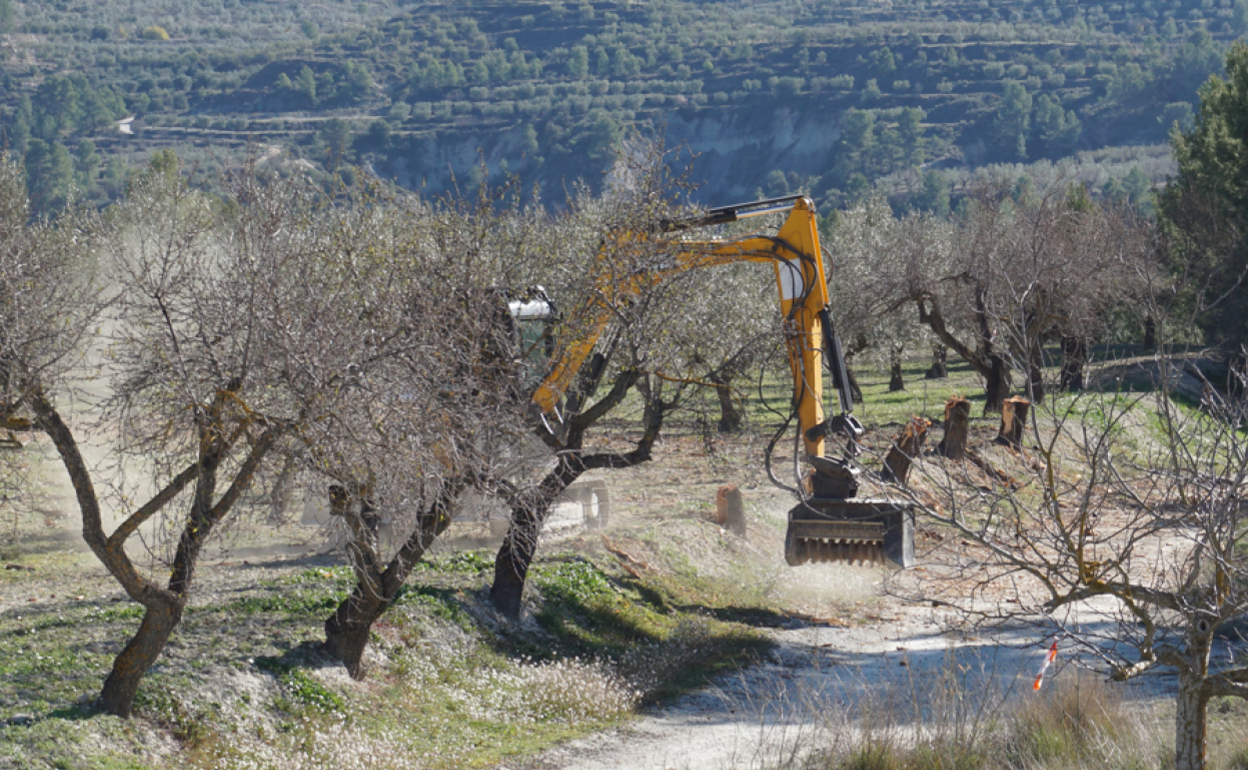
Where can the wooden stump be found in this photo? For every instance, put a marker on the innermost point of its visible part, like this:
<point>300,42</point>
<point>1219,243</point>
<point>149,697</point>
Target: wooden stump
<point>1074,356</point>
<point>906,447</point>
<point>730,509</point>
<point>895,381</point>
<point>1013,421</point>
<point>938,370</point>
<point>957,428</point>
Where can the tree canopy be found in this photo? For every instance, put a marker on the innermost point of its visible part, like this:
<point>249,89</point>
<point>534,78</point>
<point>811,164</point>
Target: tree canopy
<point>1206,206</point>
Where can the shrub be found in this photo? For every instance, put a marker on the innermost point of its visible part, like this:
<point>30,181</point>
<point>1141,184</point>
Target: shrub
<point>1077,720</point>
<point>787,87</point>
<point>155,33</point>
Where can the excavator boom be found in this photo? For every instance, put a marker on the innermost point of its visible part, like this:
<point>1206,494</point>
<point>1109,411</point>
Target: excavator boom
<point>828,524</point>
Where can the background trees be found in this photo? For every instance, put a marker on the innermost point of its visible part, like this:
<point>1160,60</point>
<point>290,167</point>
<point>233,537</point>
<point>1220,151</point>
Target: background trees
<point>1003,277</point>
<point>1070,77</point>
<point>1205,209</point>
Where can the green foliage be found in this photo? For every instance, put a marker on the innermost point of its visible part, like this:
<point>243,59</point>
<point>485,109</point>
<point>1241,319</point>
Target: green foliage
<point>1212,190</point>
<point>86,166</point>
<point>305,690</point>
<point>787,87</point>
<point>1056,130</point>
<point>643,62</point>
<point>576,580</point>
<point>1012,121</point>
<point>49,175</point>
<point>155,32</point>
<point>933,195</point>
<point>466,562</point>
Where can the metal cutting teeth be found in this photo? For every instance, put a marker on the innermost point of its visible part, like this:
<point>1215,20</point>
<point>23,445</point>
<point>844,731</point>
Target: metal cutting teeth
<point>859,552</point>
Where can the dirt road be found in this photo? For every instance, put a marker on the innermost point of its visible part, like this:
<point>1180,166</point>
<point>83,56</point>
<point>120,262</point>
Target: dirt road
<point>819,684</point>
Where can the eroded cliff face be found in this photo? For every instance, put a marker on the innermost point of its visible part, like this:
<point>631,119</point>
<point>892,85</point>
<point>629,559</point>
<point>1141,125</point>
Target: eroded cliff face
<point>731,150</point>
<point>735,150</point>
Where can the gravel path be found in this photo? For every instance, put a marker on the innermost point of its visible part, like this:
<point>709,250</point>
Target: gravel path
<point>820,686</point>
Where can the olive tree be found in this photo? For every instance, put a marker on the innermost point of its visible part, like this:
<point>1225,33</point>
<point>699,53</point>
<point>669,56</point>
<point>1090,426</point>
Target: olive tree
<point>50,297</point>
<point>597,275</point>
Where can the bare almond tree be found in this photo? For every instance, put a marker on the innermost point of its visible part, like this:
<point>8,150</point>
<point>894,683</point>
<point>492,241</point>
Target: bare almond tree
<point>1124,529</point>
<point>609,246</point>
<point>50,298</point>
<point>1006,275</point>
<point>213,356</point>
<point>649,318</point>
<point>439,404</point>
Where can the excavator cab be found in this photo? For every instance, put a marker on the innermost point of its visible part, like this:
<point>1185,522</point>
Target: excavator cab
<point>532,314</point>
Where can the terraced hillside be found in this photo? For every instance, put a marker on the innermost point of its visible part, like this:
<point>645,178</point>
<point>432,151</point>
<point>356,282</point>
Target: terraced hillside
<point>776,95</point>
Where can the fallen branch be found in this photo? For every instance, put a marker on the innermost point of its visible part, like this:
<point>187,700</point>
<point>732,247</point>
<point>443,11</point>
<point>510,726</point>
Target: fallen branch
<point>992,471</point>
<point>823,620</point>
<point>625,558</point>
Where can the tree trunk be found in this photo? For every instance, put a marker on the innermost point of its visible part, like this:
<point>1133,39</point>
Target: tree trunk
<point>1190,723</point>
<point>347,630</point>
<point>530,509</point>
<point>1013,422</point>
<point>729,416</point>
<point>987,363</point>
<point>122,684</point>
<point>1035,373</point>
<point>895,381</point>
<point>957,428</point>
<point>939,368</point>
<point>906,447</point>
<point>1074,356</point>
<point>511,565</point>
<point>855,389</point>
<point>997,387</point>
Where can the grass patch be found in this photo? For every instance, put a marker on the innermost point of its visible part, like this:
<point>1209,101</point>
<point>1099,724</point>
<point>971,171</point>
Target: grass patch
<point>663,650</point>
<point>303,689</point>
<point>1078,722</point>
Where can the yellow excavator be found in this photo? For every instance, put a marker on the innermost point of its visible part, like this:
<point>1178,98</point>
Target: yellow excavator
<point>828,523</point>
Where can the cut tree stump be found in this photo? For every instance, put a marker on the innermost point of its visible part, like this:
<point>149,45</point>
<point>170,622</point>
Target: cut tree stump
<point>938,370</point>
<point>957,428</point>
<point>1013,421</point>
<point>906,447</point>
<point>730,509</point>
<point>896,381</point>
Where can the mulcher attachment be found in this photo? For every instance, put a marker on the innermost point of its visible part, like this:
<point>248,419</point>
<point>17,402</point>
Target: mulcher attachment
<point>831,526</point>
<point>853,531</point>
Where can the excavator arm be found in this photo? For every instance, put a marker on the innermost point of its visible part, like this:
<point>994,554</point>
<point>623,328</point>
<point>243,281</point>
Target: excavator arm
<point>796,258</point>
<point>827,525</point>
